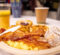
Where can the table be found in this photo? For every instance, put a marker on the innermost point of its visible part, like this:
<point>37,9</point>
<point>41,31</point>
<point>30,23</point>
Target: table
<point>33,19</point>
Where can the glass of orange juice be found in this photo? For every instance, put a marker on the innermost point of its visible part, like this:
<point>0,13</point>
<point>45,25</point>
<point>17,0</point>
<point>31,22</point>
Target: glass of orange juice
<point>4,15</point>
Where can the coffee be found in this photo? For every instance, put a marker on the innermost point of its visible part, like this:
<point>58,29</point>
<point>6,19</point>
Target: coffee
<point>41,14</point>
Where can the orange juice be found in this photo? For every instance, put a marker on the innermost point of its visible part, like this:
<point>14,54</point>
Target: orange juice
<point>4,18</point>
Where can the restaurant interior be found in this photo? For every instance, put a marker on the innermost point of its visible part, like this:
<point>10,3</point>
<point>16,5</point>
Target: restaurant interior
<point>28,9</point>
<point>29,27</point>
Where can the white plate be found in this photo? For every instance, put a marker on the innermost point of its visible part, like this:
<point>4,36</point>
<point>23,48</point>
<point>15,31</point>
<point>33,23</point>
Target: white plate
<point>15,51</point>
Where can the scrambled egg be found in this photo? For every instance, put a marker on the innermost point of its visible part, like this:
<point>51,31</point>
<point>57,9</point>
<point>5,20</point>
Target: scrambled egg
<point>20,45</point>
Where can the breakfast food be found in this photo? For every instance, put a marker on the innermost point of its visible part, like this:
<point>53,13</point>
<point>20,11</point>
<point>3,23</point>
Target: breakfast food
<point>27,37</point>
<point>27,23</point>
<point>2,30</point>
<point>53,36</point>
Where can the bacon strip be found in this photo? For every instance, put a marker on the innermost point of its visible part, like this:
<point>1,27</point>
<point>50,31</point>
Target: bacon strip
<point>2,30</point>
<point>17,38</point>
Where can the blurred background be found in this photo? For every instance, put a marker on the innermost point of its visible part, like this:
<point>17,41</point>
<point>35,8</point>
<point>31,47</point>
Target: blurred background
<point>28,7</point>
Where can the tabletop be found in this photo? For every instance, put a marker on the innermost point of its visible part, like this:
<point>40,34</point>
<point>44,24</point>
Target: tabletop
<point>33,19</point>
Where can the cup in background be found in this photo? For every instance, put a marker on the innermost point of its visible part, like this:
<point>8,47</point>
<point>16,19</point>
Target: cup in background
<point>41,14</point>
<point>16,6</point>
<point>4,15</point>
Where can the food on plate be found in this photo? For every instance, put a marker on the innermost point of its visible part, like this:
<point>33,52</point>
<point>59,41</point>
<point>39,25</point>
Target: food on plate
<point>12,26</point>
<point>27,23</point>
<point>53,35</point>
<point>27,37</point>
<point>2,30</point>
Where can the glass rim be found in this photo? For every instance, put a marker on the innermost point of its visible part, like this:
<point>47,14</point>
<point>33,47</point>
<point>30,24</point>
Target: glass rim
<point>6,4</point>
<point>42,8</point>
